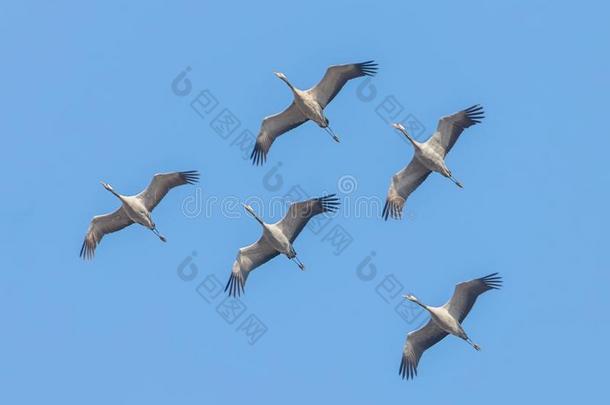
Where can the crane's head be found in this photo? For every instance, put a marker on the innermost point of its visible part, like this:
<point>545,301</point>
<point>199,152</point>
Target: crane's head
<point>410,297</point>
<point>281,76</point>
<point>399,127</point>
<point>249,210</point>
<point>402,129</point>
<point>106,186</point>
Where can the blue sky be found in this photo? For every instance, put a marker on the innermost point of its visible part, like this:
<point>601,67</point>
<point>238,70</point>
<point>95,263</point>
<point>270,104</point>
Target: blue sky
<point>87,96</point>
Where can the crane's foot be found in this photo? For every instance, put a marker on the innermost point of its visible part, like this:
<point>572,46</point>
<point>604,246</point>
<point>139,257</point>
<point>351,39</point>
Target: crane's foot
<point>298,263</point>
<point>473,344</point>
<point>156,232</point>
<point>457,183</point>
<point>332,134</point>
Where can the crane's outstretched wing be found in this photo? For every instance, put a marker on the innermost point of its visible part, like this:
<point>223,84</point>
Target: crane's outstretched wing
<point>451,126</point>
<point>272,127</point>
<point>403,184</point>
<point>417,343</point>
<point>300,213</point>
<point>162,183</point>
<point>100,226</point>
<point>466,293</point>
<point>335,78</point>
<point>248,258</point>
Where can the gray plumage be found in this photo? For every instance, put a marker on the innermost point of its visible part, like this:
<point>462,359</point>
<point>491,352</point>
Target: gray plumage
<point>277,238</point>
<point>444,320</point>
<point>428,156</point>
<point>134,209</point>
<point>307,105</point>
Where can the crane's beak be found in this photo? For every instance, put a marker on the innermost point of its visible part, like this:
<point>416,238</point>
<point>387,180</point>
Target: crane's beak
<point>248,209</point>
<point>399,127</point>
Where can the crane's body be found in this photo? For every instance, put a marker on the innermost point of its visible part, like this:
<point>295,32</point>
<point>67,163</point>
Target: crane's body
<point>274,236</point>
<point>307,105</point>
<point>277,238</point>
<point>279,242</point>
<point>134,209</point>
<point>445,320</point>
<point>428,157</point>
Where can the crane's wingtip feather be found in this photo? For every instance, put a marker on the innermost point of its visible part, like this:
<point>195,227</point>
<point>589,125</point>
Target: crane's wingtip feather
<point>190,176</point>
<point>407,368</point>
<point>329,202</point>
<point>87,251</point>
<point>368,68</point>
<point>492,281</point>
<point>235,286</point>
<point>392,210</point>
<point>258,155</point>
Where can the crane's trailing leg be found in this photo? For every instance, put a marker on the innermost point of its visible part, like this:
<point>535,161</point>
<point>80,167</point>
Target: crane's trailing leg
<point>476,346</point>
<point>457,183</point>
<point>331,133</point>
<point>156,232</point>
<point>298,262</point>
<point>453,179</point>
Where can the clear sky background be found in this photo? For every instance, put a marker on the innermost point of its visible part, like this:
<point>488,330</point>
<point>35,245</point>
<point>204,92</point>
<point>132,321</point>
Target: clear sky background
<point>87,96</point>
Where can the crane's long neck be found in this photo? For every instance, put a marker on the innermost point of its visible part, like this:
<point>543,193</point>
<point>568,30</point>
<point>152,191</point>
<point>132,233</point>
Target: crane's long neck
<point>410,138</point>
<point>418,302</point>
<point>116,194</point>
<point>285,80</point>
<point>260,221</point>
<point>421,304</point>
<point>120,197</point>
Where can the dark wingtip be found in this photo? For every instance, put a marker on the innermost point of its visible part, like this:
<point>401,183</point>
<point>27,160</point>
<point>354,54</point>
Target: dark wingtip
<point>493,281</point>
<point>330,203</point>
<point>391,210</point>
<point>407,370</point>
<point>86,252</point>
<point>235,287</point>
<point>190,176</point>
<point>475,113</point>
<point>229,285</point>
<point>368,68</point>
<point>258,156</point>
